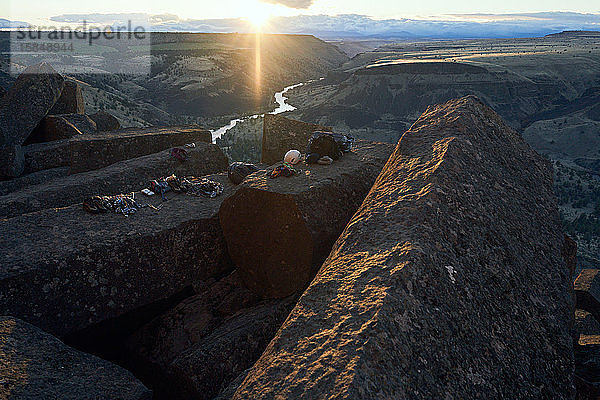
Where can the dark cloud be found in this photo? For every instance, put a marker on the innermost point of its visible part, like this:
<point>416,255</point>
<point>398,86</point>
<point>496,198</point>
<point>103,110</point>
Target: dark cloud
<point>299,4</point>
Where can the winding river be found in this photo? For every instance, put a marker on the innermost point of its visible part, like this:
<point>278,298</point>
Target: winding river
<point>282,107</point>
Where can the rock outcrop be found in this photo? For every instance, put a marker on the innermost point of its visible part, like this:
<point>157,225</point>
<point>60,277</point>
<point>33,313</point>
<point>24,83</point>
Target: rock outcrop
<point>281,134</point>
<point>29,100</point>
<point>279,231</point>
<point>105,121</point>
<point>122,177</point>
<point>92,152</point>
<point>70,100</point>
<point>447,283</point>
<point>36,365</point>
<point>587,291</point>
<point>21,109</point>
<point>64,269</point>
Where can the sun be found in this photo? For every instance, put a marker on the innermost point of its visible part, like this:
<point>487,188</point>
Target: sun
<point>257,16</point>
<point>258,20</point>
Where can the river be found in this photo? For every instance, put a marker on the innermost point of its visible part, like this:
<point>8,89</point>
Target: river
<point>282,107</point>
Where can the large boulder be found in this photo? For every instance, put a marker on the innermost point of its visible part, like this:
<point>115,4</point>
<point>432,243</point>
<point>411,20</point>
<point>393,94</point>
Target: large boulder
<point>122,177</point>
<point>70,100</point>
<point>65,270</point>
<point>29,99</point>
<point>279,231</point>
<point>97,151</point>
<point>448,282</point>
<point>36,365</point>
<point>281,134</point>
<point>105,121</point>
<point>65,126</point>
<point>587,291</point>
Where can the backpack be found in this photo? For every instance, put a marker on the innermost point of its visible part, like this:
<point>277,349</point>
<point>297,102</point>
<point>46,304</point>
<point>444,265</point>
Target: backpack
<point>329,144</point>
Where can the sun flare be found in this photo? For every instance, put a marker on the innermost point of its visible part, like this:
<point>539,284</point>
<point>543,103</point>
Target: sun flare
<point>258,18</point>
<point>257,14</point>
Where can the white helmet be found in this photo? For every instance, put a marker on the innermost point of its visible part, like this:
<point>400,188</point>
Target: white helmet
<point>292,157</point>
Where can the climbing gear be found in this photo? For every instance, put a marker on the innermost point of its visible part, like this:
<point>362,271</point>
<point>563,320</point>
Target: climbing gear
<point>121,204</point>
<point>201,187</point>
<point>179,153</point>
<point>190,185</point>
<point>238,171</point>
<point>292,157</point>
<point>190,146</point>
<point>285,169</point>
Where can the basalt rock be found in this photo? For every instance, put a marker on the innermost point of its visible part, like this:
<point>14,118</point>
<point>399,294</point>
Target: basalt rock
<point>447,283</point>
<point>70,100</point>
<point>279,231</point>
<point>97,151</point>
<point>49,155</point>
<point>587,369</point>
<point>586,326</point>
<point>158,343</point>
<point>207,367</point>
<point>105,121</point>
<point>35,178</point>
<point>281,134</point>
<point>122,177</point>
<point>36,365</point>
<point>65,126</point>
<point>587,291</point>
<point>29,99</point>
<point>12,161</point>
<point>64,270</point>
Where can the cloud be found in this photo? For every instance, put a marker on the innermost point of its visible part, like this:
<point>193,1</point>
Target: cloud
<point>457,26</point>
<point>298,4</point>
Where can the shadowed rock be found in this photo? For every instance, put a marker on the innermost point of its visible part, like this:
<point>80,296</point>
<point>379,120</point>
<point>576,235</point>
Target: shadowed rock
<point>70,100</point>
<point>43,156</point>
<point>435,289</point>
<point>585,326</point>
<point>587,369</point>
<point>206,368</point>
<point>28,101</point>
<point>35,178</point>
<point>122,177</point>
<point>12,161</point>
<point>97,151</point>
<point>281,134</point>
<point>64,269</point>
<point>279,231</point>
<point>105,121</point>
<point>587,291</point>
<point>36,365</point>
<point>158,343</point>
<point>65,126</point>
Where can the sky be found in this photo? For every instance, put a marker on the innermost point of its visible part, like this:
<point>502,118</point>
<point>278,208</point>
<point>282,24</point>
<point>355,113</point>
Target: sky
<point>37,12</point>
